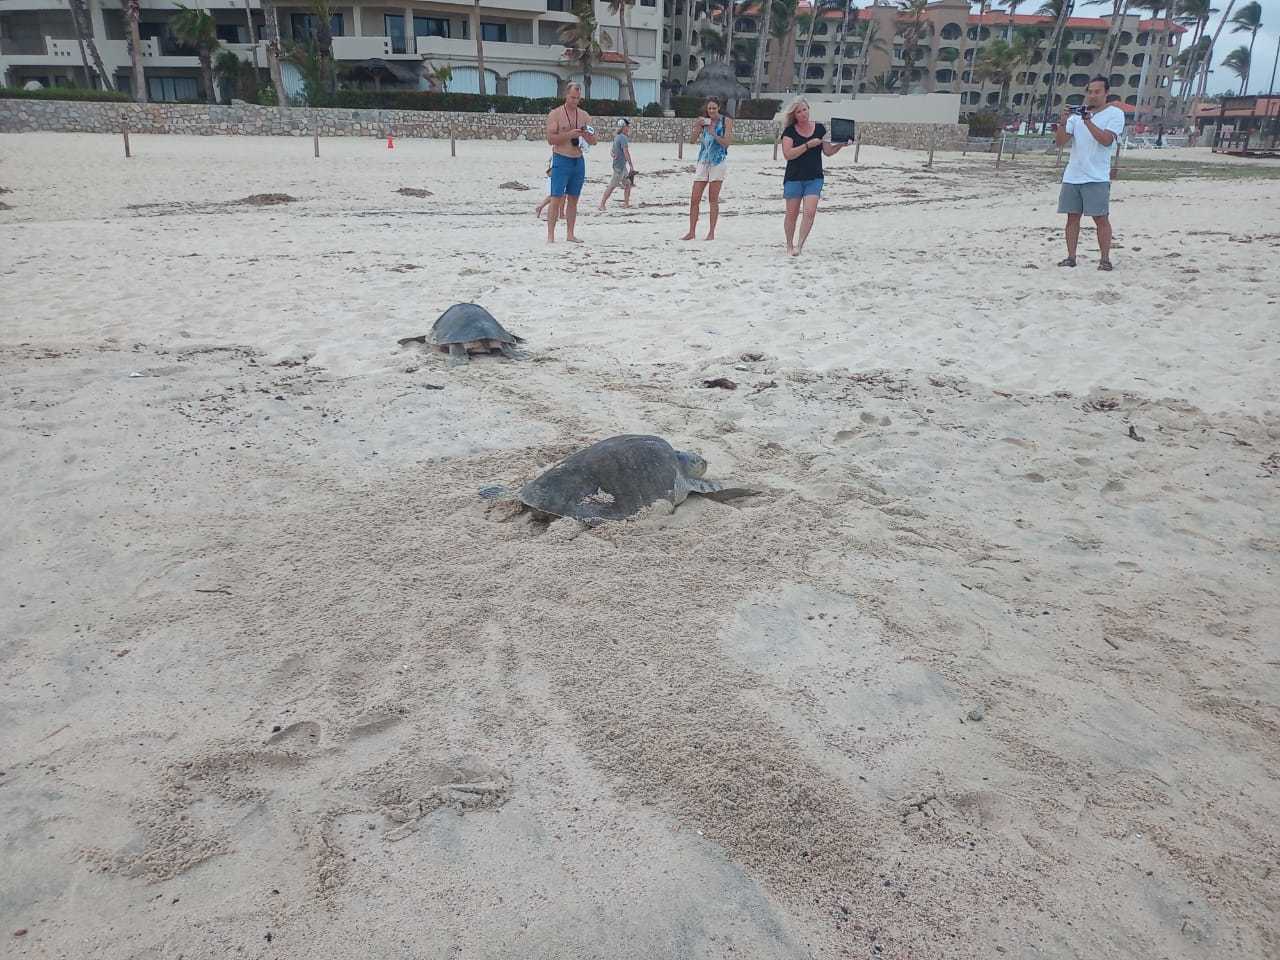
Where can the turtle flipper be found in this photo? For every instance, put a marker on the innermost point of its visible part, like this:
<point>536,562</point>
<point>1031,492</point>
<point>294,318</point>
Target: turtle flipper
<point>405,341</point>
<point>718,491</point>
<point>458,354</point>
<point>508,351</point>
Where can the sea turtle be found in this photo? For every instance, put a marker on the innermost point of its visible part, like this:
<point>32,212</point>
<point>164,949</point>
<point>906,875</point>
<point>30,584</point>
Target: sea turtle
<point>617,478</point>
<point>467,328</point>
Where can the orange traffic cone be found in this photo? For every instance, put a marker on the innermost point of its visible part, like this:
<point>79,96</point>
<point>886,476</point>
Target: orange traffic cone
<point>390,144</point>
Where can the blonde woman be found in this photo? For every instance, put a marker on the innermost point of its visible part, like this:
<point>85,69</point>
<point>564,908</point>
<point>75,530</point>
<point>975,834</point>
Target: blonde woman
<point>804,144</point>
<point>713,131</point>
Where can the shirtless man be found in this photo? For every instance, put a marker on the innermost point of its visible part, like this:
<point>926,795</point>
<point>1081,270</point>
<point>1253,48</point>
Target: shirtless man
<point>566,126</point>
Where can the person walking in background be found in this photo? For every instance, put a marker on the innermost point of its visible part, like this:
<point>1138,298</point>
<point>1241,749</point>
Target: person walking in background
<point>713,132</point>
<point>624,168</point>
<point>568,127</point>
<point>1086,182</point>
<point>804,144</point>
<point>546,200</point>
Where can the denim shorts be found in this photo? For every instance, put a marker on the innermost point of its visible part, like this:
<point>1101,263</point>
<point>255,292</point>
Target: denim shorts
<point>567,175</point>
<point>795,189</point>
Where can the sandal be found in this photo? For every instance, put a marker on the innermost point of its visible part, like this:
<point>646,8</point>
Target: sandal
<point>1104,265</point>
<point>1069,262</point>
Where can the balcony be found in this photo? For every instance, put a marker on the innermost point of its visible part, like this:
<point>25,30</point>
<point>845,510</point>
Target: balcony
<point>254,53</point>
<point>450,48</point>
<point>364,48</point>
<point>519,8</point>
<point>58,50</point>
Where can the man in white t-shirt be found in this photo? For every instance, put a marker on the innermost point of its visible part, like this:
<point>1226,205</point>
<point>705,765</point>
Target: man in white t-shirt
<point>1086,183</point>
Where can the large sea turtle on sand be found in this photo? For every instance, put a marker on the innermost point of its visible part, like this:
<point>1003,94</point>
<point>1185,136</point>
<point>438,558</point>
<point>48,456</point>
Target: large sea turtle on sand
<point>467,328</point>
<point>617,478</point>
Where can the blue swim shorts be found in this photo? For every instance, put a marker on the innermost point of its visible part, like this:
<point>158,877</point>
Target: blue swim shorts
<point>567,175</point>
<point>795,189</point>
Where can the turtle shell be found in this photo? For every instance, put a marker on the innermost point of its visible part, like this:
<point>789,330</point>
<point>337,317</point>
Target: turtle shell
<point>469,322</point>
<point>610,480</point>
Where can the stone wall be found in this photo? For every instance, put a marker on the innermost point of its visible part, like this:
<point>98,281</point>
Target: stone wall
<point>71,116</point>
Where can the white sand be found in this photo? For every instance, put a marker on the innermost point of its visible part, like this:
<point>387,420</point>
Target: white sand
<point>739,730</point>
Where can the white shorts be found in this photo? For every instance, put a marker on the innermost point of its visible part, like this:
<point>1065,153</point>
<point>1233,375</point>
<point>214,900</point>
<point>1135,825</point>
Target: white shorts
<point>705,171</point>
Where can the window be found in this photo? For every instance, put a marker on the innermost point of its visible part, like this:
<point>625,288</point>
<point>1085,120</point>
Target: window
<point>993,99</point>
<point>1139,59</point>
<point>951,31</point>
<point>1162,82</point>
<point>945,76</point>
<point>1122,59</point>
<point>648,3</point>
<point>1116,79</point>
<point>1079,79</point>
<point>304,25</point>
<point>1019,99</point>
<point>818,51</point>
<point>1126,38</point>
<point>1131,101</point>
<point>229,33</point>
<point>1083,59</point>
<point>559,6</point>
<point>1075,99</point>
<point>814,72</point>
<point>430,27</point>
<point>1144,39</point>
<point>172,88</point>
<point>1135,79</point>
<point>492,32</point>
<point>821,29</point>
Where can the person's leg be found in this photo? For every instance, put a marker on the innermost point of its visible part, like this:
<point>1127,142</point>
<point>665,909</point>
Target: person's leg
<point>713,204</point>
<point>695,201</point>
<point>808,210</point>
<point>553,214</point>
<point>1071,202</point>
<point>605,199</point>
<point>573,189</point>
<point>1073,234</point>
<point>559,186</point>
<point>789,222</point>
<point>570,218</point>
<point>1104,237</point>
<point>626,193</point>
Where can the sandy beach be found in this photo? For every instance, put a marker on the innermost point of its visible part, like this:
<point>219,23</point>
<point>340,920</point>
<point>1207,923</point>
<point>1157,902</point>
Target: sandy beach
<point>989,668</point>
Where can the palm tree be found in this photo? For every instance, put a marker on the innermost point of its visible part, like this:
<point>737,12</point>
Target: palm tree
<point>441,76</point>
<point>476,32</point>
<point>997,63</point>
<point>1154,7</point>
<point>915,31</point>
<point>1248,19</point>
<point>132,16</point>
<point>782,30</point>
<point>1194,14</point>
<point>762,44</point>
<point>1237,61</point>
<point>882,84</point>
<point>619,9</point>
<point>730,13</point>
<point>84,34</point>
<point>871,40</point>
<point>271,31</point>
<point>1013,6</point>
<point>1060,10</point>
<point>585,48</point>
<point>842,36</point>
<point>196,28</point>
<point>1204,76</point>
<point>819,8</point>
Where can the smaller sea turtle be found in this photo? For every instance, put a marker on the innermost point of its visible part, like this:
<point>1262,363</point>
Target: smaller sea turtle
<point>467,328</point>
<point>617,478</point>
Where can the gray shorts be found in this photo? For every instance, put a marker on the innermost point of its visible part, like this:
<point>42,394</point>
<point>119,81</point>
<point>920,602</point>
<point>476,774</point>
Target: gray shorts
<point>1091,199</point>
<point>619,179</point>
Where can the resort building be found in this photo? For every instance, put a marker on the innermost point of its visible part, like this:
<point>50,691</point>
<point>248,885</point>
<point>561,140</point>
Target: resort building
<point>398,45</point>
<point>864,52</point>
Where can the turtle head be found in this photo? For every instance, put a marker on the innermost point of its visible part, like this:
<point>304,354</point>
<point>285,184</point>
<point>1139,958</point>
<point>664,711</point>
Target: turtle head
<point>691,464</point>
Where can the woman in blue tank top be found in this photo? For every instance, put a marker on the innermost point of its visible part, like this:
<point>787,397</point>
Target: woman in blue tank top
<point>713,132</point>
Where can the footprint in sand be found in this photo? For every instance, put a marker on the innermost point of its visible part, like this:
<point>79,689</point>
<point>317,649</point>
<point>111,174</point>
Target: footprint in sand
<point>303,734</point>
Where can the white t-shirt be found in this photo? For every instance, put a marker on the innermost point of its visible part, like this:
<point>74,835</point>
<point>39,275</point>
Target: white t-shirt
<point>1090,161</point>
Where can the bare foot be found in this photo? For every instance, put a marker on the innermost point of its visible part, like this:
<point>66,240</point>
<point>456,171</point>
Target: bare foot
<point>710,236</point>
<point>688,236</point>
<point>601,208</point>
<point>795,251</point>
<point>573,239</point>
<point>791,251</point>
